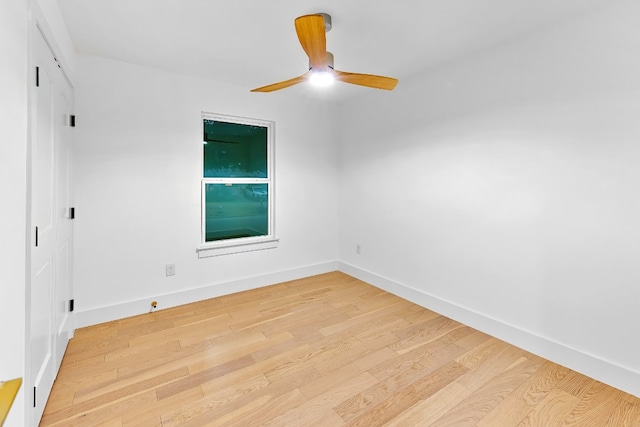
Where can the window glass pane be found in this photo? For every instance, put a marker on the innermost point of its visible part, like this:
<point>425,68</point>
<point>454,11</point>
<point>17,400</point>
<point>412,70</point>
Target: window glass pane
<point>234,150</point>
<point>236,211</point>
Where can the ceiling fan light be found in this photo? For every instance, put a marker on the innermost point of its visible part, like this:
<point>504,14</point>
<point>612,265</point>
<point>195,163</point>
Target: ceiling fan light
<point>321,78</point>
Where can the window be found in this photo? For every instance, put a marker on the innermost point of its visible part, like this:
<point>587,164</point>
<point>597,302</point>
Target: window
<point>237,184</point>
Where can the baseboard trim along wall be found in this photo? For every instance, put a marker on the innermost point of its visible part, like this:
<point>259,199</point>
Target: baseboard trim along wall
<point>587,364</point>
<point>96,315</point>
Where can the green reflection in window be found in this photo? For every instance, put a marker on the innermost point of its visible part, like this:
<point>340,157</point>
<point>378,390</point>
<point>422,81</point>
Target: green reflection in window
<point>233,150</point>
<point>236,211</point>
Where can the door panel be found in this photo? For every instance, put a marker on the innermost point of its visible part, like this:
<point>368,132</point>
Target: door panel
<point>43,249</point>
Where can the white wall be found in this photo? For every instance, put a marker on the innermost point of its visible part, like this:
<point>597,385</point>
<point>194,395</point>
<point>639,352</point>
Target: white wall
<point>138,163</point>
<point>13,213</point>
<point>504,189</point>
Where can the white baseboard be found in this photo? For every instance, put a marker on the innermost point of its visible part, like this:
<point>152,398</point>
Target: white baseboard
<point>602,370</point>
<point>96,315</point>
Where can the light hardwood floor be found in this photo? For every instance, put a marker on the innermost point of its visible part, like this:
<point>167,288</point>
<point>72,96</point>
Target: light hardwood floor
<point>328,350</point>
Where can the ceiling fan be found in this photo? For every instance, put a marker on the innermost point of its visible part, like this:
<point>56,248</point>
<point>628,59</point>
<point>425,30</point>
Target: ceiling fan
<point>311,31</point>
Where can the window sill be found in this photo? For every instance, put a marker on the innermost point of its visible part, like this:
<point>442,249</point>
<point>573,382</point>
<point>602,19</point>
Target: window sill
<point>211,250</point>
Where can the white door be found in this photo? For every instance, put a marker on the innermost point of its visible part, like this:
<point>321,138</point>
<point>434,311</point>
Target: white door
<point>50,250</point>
<point>63,107</point>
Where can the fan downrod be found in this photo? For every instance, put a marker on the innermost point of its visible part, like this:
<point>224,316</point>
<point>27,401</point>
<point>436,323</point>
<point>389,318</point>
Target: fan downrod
<point>327,21</point>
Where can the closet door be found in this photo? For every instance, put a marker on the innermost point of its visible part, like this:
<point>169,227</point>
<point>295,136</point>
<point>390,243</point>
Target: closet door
<point>50,285</point>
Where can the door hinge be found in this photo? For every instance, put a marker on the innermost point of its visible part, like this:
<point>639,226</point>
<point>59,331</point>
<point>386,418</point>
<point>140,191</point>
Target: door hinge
<point>34,396</point>
<point>72,213</point>
<point>36,236</point>
<point>71,305</point>
<point>72,120</point>
<point>37,76</point>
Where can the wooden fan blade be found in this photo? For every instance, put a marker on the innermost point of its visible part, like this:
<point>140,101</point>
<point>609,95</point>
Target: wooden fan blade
<point>369,80</point>
<point>283,84</point>
<point>311,33</point>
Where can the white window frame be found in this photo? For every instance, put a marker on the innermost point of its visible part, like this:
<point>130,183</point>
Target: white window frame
<point>243,244</point>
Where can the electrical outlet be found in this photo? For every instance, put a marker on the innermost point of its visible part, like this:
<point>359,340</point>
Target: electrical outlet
<point>171,269</point>
<point>358,249</point>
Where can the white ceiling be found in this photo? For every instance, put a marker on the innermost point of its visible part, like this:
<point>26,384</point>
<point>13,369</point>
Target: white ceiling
<point>253,42</point>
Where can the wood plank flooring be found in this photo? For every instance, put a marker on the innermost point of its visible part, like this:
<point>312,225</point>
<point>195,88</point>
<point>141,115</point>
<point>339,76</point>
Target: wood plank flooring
<point>328,350</point>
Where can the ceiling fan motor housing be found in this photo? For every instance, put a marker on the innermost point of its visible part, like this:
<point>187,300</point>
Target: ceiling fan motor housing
<point>329,61</point>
